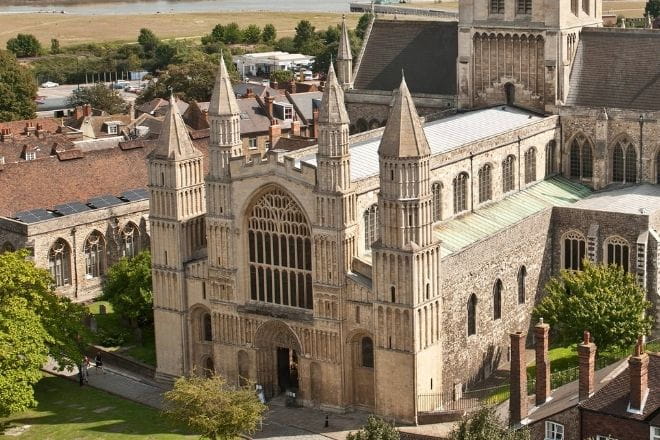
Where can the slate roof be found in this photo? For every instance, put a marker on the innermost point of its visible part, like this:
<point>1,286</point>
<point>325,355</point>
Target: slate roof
<point>425,50</point>
<point>616,68</point>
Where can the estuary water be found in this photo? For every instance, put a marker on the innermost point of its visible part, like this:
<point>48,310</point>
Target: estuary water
<point>111,7</point>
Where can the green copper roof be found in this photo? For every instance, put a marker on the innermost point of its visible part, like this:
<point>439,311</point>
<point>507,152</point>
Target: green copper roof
<point>461,232</point>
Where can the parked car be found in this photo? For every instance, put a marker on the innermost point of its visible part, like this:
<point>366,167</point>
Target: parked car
<point>49,85</point>
<point>120,85</point>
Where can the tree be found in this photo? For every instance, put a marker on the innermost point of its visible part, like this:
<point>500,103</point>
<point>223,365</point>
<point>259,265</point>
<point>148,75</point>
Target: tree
<point>17,89</point>
<point>216,35</point>
<point>24,45</point>
<point>605,300</point>
<point>485,425</point>
<point>128,288</point>
<point>252,34</point>
<point>652,8</point>
<point>305,35</point>
<point>23,343</point>
<point>375,429</point>
<point>99,97</point>
<point>363,24</point>
<point>210,407</point>
<point>233,33</point>
<point>281,76</point>
<point>285,44</point>
<point>269,34</point>
<point>55,46</point>
<point>148,40</point>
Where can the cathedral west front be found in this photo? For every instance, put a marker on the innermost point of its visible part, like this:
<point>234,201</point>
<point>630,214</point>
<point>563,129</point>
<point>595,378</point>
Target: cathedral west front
<point>381,267</point>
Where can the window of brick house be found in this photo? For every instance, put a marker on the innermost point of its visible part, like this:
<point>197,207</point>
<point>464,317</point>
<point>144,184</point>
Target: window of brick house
<point>508,174</point>
<point>554,431</point>
<point>2,160</point>
<point>30,155</point>
<point>523,7</point>
<point>574,250</point>
<point>252,143</point>
<point>605,437</point>
<point>485,184</point>
<point>617,251</point>
<point>655,433</point>
<point>460,193</point>
<point>370,226</point>
<point>436,191</point>
<point>530,165</point>
<point>497,6</point>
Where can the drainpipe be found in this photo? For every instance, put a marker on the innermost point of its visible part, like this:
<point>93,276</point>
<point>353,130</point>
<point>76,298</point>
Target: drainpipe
<point>75,260</point>
<point>640,178</point>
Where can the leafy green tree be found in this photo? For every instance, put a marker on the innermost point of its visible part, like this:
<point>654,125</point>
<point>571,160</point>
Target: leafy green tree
<point>17,89</point>
<point>285,44</point>
<point>128,288</point>
<point>305,35</point>
<point>148,40</point>
<point>24,45</point>
<point>269,34</point>
<point>55,46</point>
<point>99,97</point>
<point>485,425</point>
<point>210,407</point>
<point>252,34</point>
<point>652,8</point>
<point>281,76</point>
<point>605,300</point>
<point>363,24</point>
<point>23,343</point>
<point>217,34</point>
<point>375,429</point>
<point>233,34</point>
<point>332,34</point>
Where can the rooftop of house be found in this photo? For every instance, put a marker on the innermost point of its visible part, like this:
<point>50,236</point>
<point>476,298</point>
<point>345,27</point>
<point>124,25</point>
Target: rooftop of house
<point>303,102</point>
<point>243,89</point>
<point>425,50</point>
<point>637,199</point>
<point>159,106</point>
<point>616,68</point>
<point>443,135</point>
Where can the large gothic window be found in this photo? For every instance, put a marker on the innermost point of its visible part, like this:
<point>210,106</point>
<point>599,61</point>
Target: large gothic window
<point>497,300</point>
<point>130,240</point>
<point>367,352</point>
<point>472,315</point>
<point>59,263</point>
<point>280,251</point>
<point>530,165</point>
<point>497,6</point>
<point>574,250</point>
<point>485,184</point>
<point>436,190</point>
<point>624,162</point>
<point>460,193</point>
<point>523,7</point>
<point>94,255</point>
<point>617,251</point>
<point>508,174</point>
<point>581,158</point>
<point>550,158</point>
<point>370,226</point>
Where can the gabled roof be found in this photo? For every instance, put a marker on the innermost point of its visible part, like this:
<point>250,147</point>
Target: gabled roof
<point>426,50</point>
<point>174,141</point>
<point>616,68</point>
<point>333,109</point>
<point>404,135</point>
<point>344,51</point>
<point>223,100</point>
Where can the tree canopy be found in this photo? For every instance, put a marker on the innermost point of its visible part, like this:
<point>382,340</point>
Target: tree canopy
<point>17,90</point>
<point>362,25</point>
<point>281,76</point>
<point>148,40</point>
<point>212,408</point>
<point>24,45</point>
<point>269,34</point>
<point>99,96</point>
<point>485,425</point>
<point>375,429</point>
<point>605,300</point>
<point>652,8</point>
<point>128,288</point>
<point>252,34</point>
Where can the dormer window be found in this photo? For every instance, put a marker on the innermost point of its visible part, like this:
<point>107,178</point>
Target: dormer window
<point>30,155</point>
<point>2,160</point>
<point>497,6</point>
<point>112,127</point>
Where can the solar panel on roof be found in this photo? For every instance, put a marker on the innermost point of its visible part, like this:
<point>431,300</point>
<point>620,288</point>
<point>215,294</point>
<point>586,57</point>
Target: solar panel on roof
<point>104,201</point>
<point>36,215</point>
<point>136,194</point>
<point>72,208</point>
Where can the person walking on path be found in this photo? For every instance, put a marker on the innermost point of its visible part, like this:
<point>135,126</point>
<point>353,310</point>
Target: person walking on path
<point>81,377</point>
<point>85,369</point>
<point>99,363</point>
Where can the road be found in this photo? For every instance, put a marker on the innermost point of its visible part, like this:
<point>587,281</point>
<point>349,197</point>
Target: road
<point>55,97</point>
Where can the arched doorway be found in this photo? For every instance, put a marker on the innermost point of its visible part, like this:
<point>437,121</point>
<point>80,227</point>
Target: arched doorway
<point>510,93</point>
<point>278,350</point>
<point>362,369</point>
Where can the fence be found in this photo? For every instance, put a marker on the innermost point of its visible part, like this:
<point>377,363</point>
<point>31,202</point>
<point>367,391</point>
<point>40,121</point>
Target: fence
<point>462,401</point>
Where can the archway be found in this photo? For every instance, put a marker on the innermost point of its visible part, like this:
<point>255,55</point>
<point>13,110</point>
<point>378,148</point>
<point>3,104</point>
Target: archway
<point>510,93</point>
<point>278,350</point>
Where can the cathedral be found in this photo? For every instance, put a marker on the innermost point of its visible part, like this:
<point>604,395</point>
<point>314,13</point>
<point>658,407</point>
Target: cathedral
<point>388,264</point>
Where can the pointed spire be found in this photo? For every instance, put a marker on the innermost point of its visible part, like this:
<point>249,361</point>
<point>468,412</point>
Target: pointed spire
<point>344,52</point>
<point>174,141</point>
<point>404,135</point>
<point>223,100</point>
<point>333,109</point>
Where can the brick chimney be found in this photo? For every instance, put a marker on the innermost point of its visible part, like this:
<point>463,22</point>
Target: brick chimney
<point>291,88</point>
<point>587,360</point>
<point>638,365</point>
<point>87,110</point>
<point>518,380</point>
<point>273,84</point>
<point>6,134</point>
<point>269,106</point>
<point>274,133</point>
<point>249,93</point>
<point>295,128</point>
<point>29,128</point>
<point>541,335</point>
<point>78,113</point>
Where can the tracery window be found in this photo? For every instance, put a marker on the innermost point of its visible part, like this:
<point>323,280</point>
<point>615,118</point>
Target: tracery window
<point>460,193</point>
<point>130,240</point>
<point>523,7</point>
<point>497,300</point>
<point>522,278</point>
<point>370,226</point>
<point>472,315</point>
<point>617,251</point>
<point>436,191</point>
<point>59,263</point>
<point>574,250</point>
<point>207,327</point>
<point>497,6</point>
<point>485,184</point>
<point>280,251</point>
<point>508,174</point>
<point>581,158</point>
<point>94,255</point>
<point>530,165</point>
<point>624,162</point>
<point>367,352</point>
<point>550,158</point>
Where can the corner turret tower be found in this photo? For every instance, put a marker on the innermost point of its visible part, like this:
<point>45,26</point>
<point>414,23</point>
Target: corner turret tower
<point>176,215</point>
<point>345,58</point>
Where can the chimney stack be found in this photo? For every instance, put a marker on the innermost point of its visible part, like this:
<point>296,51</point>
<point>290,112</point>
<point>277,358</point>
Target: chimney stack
<point>295,127</point>
<point>541,335</point>
<point>87,110</point>
<point>269,107</point>
<point>274,134</point>
<point>518,380</point>
<point>638,365</point>
<point>587,360</point>
<point>6,134</point>
<point>78,113</point>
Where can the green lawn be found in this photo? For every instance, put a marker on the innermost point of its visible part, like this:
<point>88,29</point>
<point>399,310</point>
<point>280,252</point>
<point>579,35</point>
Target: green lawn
<point>66,411</point>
